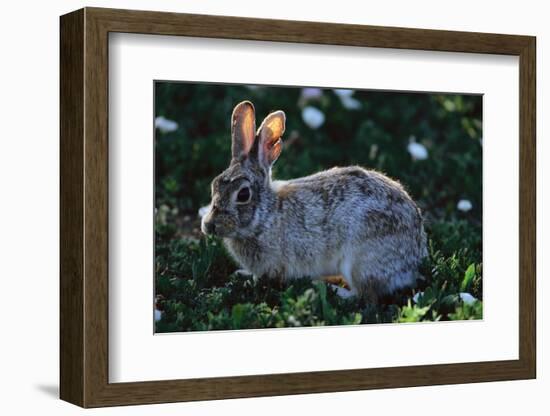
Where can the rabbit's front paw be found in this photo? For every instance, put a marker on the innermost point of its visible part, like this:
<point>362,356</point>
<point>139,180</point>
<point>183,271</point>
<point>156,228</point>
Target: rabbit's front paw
<point>243,273</point>
<point>345,293</point>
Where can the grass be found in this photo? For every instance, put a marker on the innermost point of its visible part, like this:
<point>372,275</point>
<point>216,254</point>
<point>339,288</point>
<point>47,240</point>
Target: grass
<point>199,289</point>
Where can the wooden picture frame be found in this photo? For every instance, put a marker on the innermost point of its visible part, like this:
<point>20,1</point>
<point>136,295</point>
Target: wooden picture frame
<point>84,207</point>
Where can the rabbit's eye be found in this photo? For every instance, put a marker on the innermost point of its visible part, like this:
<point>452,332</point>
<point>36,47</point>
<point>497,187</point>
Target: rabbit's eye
<point>244,195</point>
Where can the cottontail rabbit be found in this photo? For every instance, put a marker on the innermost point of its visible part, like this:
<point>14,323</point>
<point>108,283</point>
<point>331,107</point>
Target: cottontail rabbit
<point>343,221</point>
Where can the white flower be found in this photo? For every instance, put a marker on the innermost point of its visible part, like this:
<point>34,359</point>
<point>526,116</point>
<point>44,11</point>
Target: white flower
<point>204,211</point>
<point>351,103</point>
<point>312,93</point>
<point>464,205</point>
<point>343,93</point>
<point>158,315</point>
<point>467,298</point>
<point>313,117</point>
<point>417,150</point>
<point>165,125</point>
<point>293,321</point>
<point>347,100</point>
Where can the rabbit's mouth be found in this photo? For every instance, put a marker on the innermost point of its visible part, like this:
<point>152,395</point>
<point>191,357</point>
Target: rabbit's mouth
<point>216,228</point>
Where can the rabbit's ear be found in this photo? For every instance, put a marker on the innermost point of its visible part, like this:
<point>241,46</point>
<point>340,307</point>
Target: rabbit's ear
<point>270,133</point>
<point>243,129</point>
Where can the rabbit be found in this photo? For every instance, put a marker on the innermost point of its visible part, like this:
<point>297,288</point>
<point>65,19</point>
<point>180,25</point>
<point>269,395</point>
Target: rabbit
<point>344,221</point>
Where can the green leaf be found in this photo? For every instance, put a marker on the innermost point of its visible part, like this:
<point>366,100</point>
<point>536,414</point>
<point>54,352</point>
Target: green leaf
<point>468,312</point>
<point>468,277</point>
<point>412,313</point>
<point>237,314</point>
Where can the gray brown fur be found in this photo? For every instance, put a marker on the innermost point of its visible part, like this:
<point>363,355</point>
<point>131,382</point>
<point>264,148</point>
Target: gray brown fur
<point>349,221</point>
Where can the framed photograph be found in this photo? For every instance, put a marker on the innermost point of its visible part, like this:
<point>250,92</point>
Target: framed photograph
<point>255,207</point>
